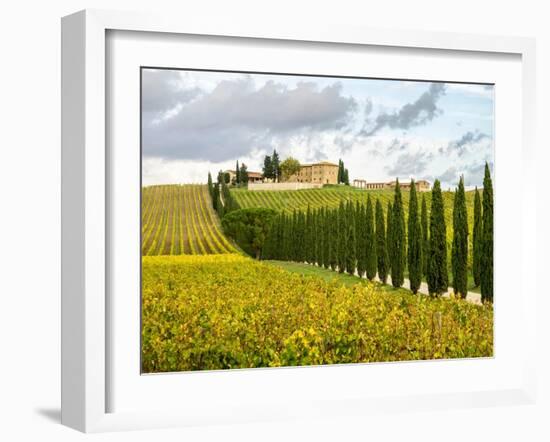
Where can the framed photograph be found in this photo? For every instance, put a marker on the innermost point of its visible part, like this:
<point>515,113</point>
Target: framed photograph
<point>263,223</point>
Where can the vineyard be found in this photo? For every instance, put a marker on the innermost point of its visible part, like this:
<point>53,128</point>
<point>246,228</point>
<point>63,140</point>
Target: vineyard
<point>299,200</point>
<point>179,220</point>
<point>229,311</point>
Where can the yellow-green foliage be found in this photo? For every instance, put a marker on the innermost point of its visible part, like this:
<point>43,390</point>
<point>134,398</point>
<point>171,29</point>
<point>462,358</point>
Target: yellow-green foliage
<point>228,311</point>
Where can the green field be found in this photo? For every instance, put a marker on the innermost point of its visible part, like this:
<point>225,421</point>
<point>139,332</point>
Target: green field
<point>179,220</point>
<point>229,311</point>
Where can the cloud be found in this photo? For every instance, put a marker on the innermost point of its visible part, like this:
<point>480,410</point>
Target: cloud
<point>450,176</point>
<point>409,164</point>
<point>162,91</point>
<point>461,145</point>
<point>418,113</point>
<point>475,172</point>
<point>237,117</point>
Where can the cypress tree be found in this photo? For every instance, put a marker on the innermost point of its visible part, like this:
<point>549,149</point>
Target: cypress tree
<point>476,241</point>
<point>351,245</point>
<point>389,240</point>
<point>438,281</point>
<point>332,238</point>
<point>342,236</point>
<point>425,236</point>
<point>381,250</point>
<point>210,188</point>
<point>370,240</point>
<point>398,239</point>
<point>275,166</point>
<point>339,178</point>
<point>360,234</point>
<point>345,177</point>
<point>414,249</point>
<point>487,239</point>
<point>459,252</point>
<point>308,242</point>
<point>237,173</point>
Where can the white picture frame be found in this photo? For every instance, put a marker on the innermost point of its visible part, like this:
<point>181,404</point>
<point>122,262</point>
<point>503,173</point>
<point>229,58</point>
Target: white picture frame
<point>86,204</point>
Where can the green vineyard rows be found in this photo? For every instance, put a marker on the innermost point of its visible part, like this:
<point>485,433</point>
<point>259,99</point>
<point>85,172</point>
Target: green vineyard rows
<point>179,220</point>
<point>291,200</point>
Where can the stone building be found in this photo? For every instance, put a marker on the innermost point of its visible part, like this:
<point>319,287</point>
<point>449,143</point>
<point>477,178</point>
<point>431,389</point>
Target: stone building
<point>323,172</point>
<point>253,177</point>
<point>421,185</point>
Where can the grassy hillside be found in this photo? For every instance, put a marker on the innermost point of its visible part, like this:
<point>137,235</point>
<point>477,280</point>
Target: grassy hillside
<point>230,311</point>
<point>179,220</point>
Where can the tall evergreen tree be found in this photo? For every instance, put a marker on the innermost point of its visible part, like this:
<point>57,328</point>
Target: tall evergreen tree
<point>340,171</point>
<point>398,239</point>
<point>459,252</point>
<point>237,173</point>
<point>389,239</point>
<point>350,257</point>
<point>414,239</point>
<point>438,280</point>
<point>370,240</point>
<point>243,175</point>
<point>268,167</point>
<point>333,239</point>
<point>425,236</point>
<point>381,250</point>
<point>476,240</point>
<point>487,239</point>
<point>342,237</point>
<point>210,186</point>
<point>276,166</point>
<point>345,177</point>
<point>361,240</point>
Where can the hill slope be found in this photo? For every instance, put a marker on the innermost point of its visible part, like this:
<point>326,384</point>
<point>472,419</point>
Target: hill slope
<point>291,200</point>
<point>179,220</point>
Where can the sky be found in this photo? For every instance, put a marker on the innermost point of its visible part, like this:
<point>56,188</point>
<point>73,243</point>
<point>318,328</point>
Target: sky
<point>195,122</point>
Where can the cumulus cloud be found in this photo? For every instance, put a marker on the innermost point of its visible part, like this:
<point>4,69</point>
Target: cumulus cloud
<point>162,91</point>
<point>409,164</point>
<point>236,117</point>
<point>418,113</point>
<point>461,145</point>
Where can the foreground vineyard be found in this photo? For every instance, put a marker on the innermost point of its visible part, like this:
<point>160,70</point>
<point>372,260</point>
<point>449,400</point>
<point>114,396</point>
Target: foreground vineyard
<point>179,220</point>
<point>228,311</point>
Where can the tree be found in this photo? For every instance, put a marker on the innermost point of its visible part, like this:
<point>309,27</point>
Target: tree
<point>438,280</point>
<point>237,174</point>
<point>226,177</point>
<point>361,239</point>
<point>268,167</point>
<point>342,237</point>
<point>340,171</point>
<point>487,239</point>
<point>425,237</point>
<point>243,174</point>
<point>381,250</point>
<point>476,241</point>
<point>398,239</point>
<point>289,167</point>
<point>389,240</point>
<point>350,259</point>
<point>276,166</point>
<point>370,241</point>
<point>459,251</point>
<point>249,228</point>
<point>345,177</point>
<point>210,186</point>
<point>414,246</point>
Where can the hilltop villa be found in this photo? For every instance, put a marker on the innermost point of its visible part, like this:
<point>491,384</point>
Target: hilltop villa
<point>323,172</point>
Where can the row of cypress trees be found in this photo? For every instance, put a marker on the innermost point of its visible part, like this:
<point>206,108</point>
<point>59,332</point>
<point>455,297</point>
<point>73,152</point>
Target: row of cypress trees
<point>222,200</point>
<point>362,239</point>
